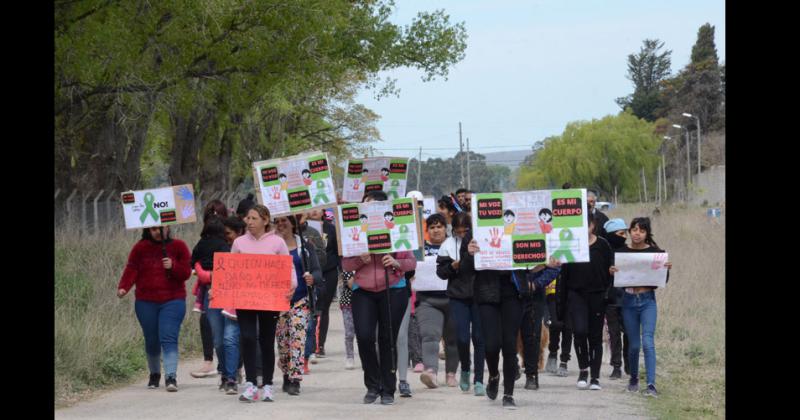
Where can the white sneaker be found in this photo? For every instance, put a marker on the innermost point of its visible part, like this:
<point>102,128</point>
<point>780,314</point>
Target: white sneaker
<point>595,385</point>
<point>250,393</point>
<point>349,364</point>
<point>265,393</point>
<point>313,359</point>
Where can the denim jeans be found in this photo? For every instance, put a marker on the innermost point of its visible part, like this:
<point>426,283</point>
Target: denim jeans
<point>639,313</point>
<point>161,325</point>
<point>226,340</point>
<point>464,313</point>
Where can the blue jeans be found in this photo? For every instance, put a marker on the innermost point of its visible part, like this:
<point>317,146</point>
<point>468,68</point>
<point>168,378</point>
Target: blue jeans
<point>639,313</point>
<point>311,331</point>
<point>465,313</point>
<point>161,325</point>
<point>226,340</point>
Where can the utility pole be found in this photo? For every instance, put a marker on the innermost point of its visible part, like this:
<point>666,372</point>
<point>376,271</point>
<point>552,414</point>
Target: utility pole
<point>461,148</point>
<point>644,185</point>
<point>419,167</point>
<point>468,173</point>
<point>658,185</point>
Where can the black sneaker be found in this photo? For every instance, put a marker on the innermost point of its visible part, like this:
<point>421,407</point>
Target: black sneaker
<point>583,378</point>
<point>155,378</point>
<point>321,353</point>
<point>171,384</point>
<point>562,370</point>
<point>285,387</point>
<point>387,400</point>
<point>595,385</point>
<point>405,389</point>
<point>294,388</point>
<point>633,385</point>
<point>552,362</point>
<point>650,391</point>
<point>616,374</point>
<point>370,397</point>
<point>492,387</point>
<point>223,382</point>
<point>231,388</point>
<point>508,402</point>
<point>532,382</point>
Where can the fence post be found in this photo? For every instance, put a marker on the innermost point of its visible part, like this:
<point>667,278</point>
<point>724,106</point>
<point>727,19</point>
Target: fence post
<point>68,218</point>
<point>108,208</point>
<point>94,207</point>
<point>57,192</point>
<point>84,198</point>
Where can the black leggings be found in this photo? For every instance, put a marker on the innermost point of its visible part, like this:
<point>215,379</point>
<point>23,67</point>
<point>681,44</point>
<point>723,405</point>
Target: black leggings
<point>531,330</point>
<point>207,338</point>
<point>500,324</point>
<point>267,320</point>
<point>587,311</point>
<point>558,328</point>
<point>370,310</point>
<point>619,339</point>
<point>331,278</point>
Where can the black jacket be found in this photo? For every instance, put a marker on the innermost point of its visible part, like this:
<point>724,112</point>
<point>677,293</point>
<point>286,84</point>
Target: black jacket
<point>205,249</point>
<point>586,277</point>
<point>331,249</point>
<point>460,283</point>
<point>312,236</point>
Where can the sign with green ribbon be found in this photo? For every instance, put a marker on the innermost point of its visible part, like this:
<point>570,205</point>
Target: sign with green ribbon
<point>159,207</point>
<point>295,184</point>
<point>378,227</point>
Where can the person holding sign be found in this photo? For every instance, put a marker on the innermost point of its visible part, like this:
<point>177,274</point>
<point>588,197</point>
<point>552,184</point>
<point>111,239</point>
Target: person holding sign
<point>616,234</point>
<point>456,266</point>
<point>159,267</point>
<point>581,292</point>
<point>292,324</point>
<point>379,299</point>
<point>259,239</point>
<point>639,310</point>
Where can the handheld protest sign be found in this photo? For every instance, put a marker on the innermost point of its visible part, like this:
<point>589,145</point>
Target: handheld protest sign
<point>251,281</point>
<point>378,227</point>
<point>640,269</point>
<point>518,230</point>
<point>294,184</point>
<point>387,174</point>
<point>159,207</point>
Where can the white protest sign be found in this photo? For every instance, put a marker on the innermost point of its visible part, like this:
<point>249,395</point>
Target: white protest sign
<point>425,278</point>
<point>158,207</point>
<point>640,269</point>
<point>378,227</point>
<point>375,174</point>
<point>428,207</point>
<point>294,184</point>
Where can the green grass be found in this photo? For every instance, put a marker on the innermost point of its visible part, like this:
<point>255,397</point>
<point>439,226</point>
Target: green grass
<point>690,332</point>
<point>98,341</point>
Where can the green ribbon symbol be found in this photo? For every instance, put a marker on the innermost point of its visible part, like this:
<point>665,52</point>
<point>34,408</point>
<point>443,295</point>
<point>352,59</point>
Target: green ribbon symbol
<point>403,240</point>
<point>149,199</point>
<point>319,195</point>
<point>393,189</point>
<point>565,236</point>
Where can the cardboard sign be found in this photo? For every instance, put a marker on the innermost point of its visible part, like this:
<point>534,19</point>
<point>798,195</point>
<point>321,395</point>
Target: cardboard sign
<point>425,278</point>
<point>640,269</point>
<point>378,227</point>
<point>518,230</point>
<point>159,207</point>
<point>375,174</point>
<point>251,281</point>
<point>428,207</point>
<point>294,184</point>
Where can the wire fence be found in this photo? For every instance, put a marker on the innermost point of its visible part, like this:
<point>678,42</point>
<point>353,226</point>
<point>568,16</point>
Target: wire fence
<point>96,212</point>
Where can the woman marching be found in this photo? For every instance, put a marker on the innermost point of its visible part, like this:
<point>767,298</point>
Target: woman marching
<point>581,291</point>
<point>259,239</point>
<point>371,303</point>
<point>292,324</point>
<point>639,310</point>
<point>159,267</point>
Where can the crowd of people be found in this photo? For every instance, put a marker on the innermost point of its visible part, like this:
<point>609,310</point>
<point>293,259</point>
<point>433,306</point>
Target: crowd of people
<point>481,315</point>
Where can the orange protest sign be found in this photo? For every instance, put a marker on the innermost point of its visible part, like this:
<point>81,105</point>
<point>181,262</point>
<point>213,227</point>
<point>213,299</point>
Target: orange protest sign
<point>251,281</point>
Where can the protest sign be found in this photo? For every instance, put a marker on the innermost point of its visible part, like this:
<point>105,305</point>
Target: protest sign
<point>428,207</point>
<point>378,227</point>
<point>640,269</point>
<point>251,281</point>
<point>375,174</point>
<point>518,230</point>
<point>158,207</point>
<point>294,184</point>
<point>425,278</point>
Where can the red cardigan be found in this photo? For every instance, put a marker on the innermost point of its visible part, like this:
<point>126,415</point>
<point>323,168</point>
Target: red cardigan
<point>147,272</point>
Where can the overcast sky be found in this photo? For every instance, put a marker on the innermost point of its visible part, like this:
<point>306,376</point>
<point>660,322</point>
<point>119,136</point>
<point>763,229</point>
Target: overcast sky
<point>530,68</point>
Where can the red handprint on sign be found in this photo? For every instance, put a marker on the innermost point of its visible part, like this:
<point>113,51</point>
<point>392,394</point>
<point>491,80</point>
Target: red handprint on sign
<point>276,193</point>
<point>658,261</point>
<point>497,236</point>
<point>355,233</point>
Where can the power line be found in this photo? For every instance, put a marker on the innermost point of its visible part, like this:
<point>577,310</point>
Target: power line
<point>453,148</point>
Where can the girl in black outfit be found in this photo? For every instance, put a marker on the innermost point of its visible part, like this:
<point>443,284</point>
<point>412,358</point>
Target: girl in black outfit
<point>581,293</point>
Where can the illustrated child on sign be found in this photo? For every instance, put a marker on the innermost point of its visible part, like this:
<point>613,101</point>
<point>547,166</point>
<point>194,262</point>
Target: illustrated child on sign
<point>384,174</point>
<point>306,177</point>
<point>364,174</point>
<point>284,182</point>
<point>508,218</point>
<point>545,217</point>
<point>389,219</point>
<point>364,222</point>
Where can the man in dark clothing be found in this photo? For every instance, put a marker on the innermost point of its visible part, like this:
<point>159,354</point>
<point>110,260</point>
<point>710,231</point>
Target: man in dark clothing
<point>616,235</point>
<point>600,218</point>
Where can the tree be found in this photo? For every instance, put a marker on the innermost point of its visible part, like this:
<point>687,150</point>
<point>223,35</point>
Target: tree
<point>605,155</point>
<point>646,70</point>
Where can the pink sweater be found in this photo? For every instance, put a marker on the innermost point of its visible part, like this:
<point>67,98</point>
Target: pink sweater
<point>269,244</point>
